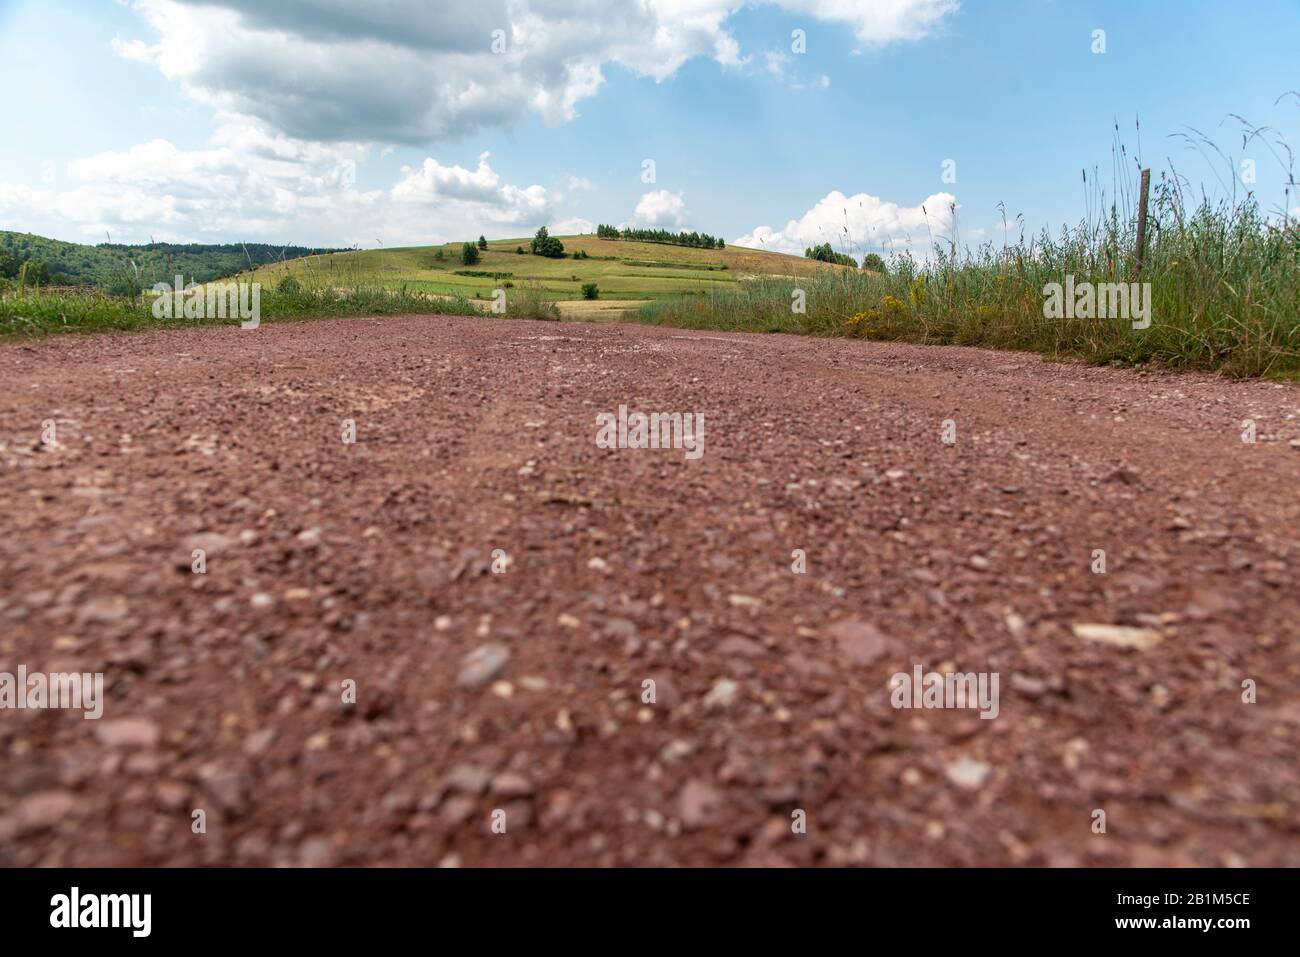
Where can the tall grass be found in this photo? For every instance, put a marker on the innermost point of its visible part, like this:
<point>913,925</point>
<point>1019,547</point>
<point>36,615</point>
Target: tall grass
<point>1224,283</point>
<point>529,301</point>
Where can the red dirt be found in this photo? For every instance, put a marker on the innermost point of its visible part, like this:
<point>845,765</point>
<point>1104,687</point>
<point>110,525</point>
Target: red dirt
<point>372,562</point>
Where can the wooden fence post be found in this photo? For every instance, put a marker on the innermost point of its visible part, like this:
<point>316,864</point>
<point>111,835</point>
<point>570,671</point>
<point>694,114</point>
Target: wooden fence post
<point>1142,222</point>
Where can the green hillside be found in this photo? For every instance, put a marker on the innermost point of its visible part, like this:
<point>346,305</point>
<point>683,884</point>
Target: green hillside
<point>114,267</point>
<point>622,270</point>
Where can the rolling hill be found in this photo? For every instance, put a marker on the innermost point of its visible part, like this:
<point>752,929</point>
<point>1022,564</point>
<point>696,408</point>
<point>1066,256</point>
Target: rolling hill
<point>626,272</point>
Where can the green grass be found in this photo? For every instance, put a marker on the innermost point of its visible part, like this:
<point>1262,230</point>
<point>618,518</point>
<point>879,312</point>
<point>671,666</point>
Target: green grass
<point>1225,294</point>
<point>623,270</point>
<point>35,312</point>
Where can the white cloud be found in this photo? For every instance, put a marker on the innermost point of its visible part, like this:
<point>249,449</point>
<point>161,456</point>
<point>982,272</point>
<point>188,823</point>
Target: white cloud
<point>660,208</point>
<point>136,50</point>
<point>775,62</point>
<point>251,182</point>
<point>303,91</point>
<point>861,223</point>
<point>571,226</point>
<point>412,71</point>
<point>878,22</point>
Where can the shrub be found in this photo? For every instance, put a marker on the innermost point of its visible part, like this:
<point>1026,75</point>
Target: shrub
<point>469,254</point>
<point>519,250</point>
<point>288,286</point>
<point>482,242</point>
<point>590,290</point>
<point>873,262</point>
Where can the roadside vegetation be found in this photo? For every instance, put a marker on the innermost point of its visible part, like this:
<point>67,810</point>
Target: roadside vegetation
<point>28,311</point>
<point>1224,287</point>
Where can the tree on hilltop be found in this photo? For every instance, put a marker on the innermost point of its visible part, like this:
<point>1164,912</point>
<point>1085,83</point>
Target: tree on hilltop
<point>544,244</point>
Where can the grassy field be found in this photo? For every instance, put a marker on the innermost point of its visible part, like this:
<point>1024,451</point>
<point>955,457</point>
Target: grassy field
<point>28,312</point>
<point>414,280</point>
<point>1223,282</point>
<point>625,272</point>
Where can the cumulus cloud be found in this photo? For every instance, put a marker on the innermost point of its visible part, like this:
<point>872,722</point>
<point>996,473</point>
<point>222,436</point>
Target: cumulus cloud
<point>251,181</point>
<point>660,208</point>
<point>413,71</point>
<point>571,226</point>
<point>878,22</point>
<point>302,91</point>
<point>862,223</point>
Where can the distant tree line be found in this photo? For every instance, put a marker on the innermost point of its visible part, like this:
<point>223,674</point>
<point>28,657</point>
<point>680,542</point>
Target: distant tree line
<point>120,268</point>
<point>824,253</point>
<point>700,240</point>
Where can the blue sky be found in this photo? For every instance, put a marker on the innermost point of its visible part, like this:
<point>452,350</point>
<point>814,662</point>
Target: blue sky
<point>296,123</point>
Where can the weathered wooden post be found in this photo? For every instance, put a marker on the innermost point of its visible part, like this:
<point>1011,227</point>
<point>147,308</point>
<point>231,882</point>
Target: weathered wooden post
<point>1142,222</point>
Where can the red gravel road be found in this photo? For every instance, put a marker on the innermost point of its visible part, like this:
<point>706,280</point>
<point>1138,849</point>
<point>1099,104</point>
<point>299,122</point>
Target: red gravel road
<point>329,563</point>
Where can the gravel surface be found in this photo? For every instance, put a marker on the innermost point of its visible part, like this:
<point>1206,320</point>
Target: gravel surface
<point>432,645</point>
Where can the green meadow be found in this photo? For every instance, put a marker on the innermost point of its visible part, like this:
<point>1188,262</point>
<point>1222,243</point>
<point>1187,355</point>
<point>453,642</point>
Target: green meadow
<point>623,271</point>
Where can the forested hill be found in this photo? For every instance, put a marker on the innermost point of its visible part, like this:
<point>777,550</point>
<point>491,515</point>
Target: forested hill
<point>114,267</point>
